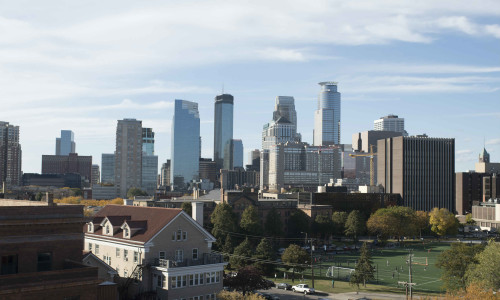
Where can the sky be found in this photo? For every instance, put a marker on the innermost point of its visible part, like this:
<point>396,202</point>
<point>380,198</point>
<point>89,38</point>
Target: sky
<point>83,65</point>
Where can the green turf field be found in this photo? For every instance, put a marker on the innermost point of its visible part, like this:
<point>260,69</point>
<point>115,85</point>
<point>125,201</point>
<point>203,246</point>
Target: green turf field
<point>392,267</point>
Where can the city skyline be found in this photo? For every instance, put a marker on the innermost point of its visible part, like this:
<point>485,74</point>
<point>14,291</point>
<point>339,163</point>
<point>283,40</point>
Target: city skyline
<point>434,64</point>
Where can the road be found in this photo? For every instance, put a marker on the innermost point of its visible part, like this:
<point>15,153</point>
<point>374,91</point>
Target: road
<point>285,295</point>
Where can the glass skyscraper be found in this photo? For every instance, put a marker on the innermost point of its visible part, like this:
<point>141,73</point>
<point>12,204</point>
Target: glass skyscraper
<point>185,153</point>
<point>108,168</point>
<point>223,130</point>
<point>65,144</point>
<point>149,162</point>
<point>327,116</point>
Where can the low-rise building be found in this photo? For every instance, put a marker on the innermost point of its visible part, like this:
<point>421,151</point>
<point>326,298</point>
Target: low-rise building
<point>487,214</point>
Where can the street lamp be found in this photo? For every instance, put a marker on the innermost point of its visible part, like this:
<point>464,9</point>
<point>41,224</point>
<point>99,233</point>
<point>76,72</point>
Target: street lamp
<point>312,266</point>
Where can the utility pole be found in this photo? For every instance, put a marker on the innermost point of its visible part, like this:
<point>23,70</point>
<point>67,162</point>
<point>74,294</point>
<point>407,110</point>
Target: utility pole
<point>312,265</point>
<point>409,275</point>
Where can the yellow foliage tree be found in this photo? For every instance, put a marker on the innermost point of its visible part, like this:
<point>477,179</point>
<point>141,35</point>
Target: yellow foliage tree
<point>225,295</point>
<point>442,221</point>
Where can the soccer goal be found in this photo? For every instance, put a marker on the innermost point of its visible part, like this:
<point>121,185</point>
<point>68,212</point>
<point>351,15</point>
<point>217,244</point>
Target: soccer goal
<point>339,273</point>
<point>421,261</point>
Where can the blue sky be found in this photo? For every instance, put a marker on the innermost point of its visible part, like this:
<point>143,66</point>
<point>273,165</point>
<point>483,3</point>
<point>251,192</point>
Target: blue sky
<point>82,65</point>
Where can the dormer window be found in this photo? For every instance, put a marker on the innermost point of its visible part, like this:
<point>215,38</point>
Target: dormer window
<point>90,227</point>
<point>107,229</point>
<point>126,233</point>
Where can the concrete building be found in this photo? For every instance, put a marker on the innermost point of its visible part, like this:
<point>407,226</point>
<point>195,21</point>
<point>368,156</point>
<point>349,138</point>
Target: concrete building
<point>253,161</point>
<point>103,192</point>
<point>66,143</point>
<point>487,214</point>
<point>327,116</point>
<point>128,156</point>
<point>164,249</point>
<point>185,153</point>
<point>108,168</point>
<point>223,130</point>
<point>165,174</point>
<point>390,123</point>
<point>41,254</point>
<point>71,163</point>
<point>208,170</point>
<point>10,155</point>
<point>279,131</point>
<point>419,168</point>
<point>96,174</point>
<point>485,166</point>
<point>231,179</point>
<point>149,161</point>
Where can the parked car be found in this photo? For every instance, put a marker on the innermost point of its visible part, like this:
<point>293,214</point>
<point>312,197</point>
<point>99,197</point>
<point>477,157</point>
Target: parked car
<point>270,283</point>
<point>303,288</point>
<point>284,286</point>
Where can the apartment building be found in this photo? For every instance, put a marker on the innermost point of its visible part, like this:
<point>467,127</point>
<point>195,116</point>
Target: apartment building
<point>165,251</point>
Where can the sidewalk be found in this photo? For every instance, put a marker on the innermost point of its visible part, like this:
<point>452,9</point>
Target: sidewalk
<point>353,295</point>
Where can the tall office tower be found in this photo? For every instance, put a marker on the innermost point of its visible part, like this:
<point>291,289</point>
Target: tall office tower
<point>149,162</point>
<point>390,123</point>
<point>128,156</point>
<point>108,168</point>
<point>285,107</point>
<point>65,144</point>
<point>283,127</point>
<point>420,169</point>
<point>207,170</point>
<point>165,174</point>
<point>253,160</point>
<point>185,153</point>
<point>327,116</point>
<point>96,174</point>
<point>223,129</point>
<point>237,153</point>
<point>10,155</point>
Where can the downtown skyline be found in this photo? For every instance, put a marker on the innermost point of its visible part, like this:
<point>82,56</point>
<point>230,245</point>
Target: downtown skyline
<point>435,64</point>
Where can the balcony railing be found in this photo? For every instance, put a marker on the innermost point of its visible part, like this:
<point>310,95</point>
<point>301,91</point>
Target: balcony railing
<point>205,259</point>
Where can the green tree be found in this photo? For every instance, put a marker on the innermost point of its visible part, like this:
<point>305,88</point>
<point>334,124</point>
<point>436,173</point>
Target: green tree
<point>250,222</point>
<point>354,225</point>
<point>241,254</point>
<point>248,279</point>
<point>187,207</point>
<point>265,251</point>
<point>443,222</point>
<point>487,269</point>
<point>273,225</point>
<point>339,218</point>
<point>39,196</point>
<point>298,222</point>
<point>421,221</point>
<point>364,270</point>
<point>454,263</point>
<point>133,191</point>
<point>223,221</point>
<point>295,257</point>
<point>323,225</point>
<point>469,220</point>
<point>395,220</point>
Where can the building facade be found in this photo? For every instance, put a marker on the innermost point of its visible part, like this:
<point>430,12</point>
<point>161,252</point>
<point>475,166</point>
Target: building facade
<point>208,170</point>
<point>390,123</point>
<point>149,161</point>
<point>108,168</point>
<point>185,153</point>
<point>71,163</point>
<point>167,251</point>
<point>96,174</point>
<point>68,180</point>
<point>419,168</point>
<point>223,130</point>
<point>485,166</point>
<point>165,174</point>
<point>66,143</point>
<point>327,116</point>
<point>10,155</point>
<point>128,156</point>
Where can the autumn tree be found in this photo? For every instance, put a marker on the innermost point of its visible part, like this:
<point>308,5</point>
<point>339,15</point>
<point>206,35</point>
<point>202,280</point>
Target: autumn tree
<point>223,221</point>
<point>487,269</point>
<point>134,191</point>
<point>364,270</point>
<point>392,221</point>
<point>354,225</point>
<point>421,221</point>
<point>250,222</point>
<point>473,291</point>
<point>295,257</point>
<point>469,220</point>
<point>443,222</point>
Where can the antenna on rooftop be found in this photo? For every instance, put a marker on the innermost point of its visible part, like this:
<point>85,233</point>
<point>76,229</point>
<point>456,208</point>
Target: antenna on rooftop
<point>222,89</point>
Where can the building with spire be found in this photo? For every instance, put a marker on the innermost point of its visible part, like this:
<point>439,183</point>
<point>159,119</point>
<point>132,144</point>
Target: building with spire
<point>484,165</point>
<point>327,116</point>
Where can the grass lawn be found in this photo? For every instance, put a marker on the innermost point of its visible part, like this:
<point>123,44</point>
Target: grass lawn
<point>391,265</point>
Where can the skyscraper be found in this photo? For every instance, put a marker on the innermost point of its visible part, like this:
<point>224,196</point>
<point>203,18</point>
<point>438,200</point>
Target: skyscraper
<point>165,174</point>
<point>283,127</point>
<point>108,168</point>
<point>149,161</point>
<point>327,116</point>
<point>96,174</point>
<point>223,129</point>
<point>420,169</point>
<point>65,144</point>
<point>237,147</point>
<point>185,153</point>
<point>10,154</point>
<point>128,156</point>
<point>285,107</point>
<point>390,123</point>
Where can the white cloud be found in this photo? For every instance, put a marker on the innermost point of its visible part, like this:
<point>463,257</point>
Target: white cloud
<point>493,142</point>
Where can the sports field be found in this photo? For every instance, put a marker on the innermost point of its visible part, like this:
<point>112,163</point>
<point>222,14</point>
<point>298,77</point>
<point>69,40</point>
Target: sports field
<point>391,266</point>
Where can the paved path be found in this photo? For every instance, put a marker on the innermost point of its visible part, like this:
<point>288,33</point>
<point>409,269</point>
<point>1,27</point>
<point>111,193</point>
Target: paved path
<point>285,295</point>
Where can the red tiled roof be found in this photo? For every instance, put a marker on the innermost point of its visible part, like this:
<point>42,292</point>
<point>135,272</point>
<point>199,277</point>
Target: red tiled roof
<point>156,218</point>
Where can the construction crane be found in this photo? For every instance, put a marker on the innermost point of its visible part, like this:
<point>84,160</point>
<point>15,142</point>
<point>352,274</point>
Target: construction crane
<point>371,155</point>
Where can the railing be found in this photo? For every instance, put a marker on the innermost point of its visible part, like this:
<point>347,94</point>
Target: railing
<point>205,259</point>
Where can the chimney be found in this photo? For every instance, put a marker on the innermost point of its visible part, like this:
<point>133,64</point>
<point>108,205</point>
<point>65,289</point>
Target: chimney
<point>49,198</point>
<point>197,209</point>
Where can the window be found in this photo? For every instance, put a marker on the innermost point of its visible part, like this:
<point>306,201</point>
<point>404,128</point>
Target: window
<point>184,235</point>
<point>173,282</point>
<point>179,255</point>
<point>125,232</point>
<point>90,247</point>
<point>89,227</point>
<point>173,236</point>
<point>179,234</point>
<point>136,256</point>
<point>195,253</point>
<point>118,252</point>
<point>96,249</point>
<point>44,261</point>
<point>125,273</point>
<point>159,281</point>
<point>191,280</point>
<point>9,264</point>
<point>162,255</point>
<point>107,229</point>
<point>217,276</point>
<point>125,254</point>
<point>201,277</point>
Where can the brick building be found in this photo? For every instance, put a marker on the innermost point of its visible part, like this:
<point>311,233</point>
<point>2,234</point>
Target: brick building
<point>72,163</point>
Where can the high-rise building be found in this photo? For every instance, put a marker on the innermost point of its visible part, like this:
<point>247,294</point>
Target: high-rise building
<point>10,154</point>
<point>128,156</point>
<point>108,168</point>
<point>149,161</point>
<point>254,161</point>
<point>223,129</point>
<point>237,146</point>
<point>165,174</point>
<point>285,107</point>
<point>185,153</point>
<point>390,123</point>
<point>419,168</point>
<point>72,163</point>
<point>283,127</point>
<point>96,174</point>
<point>65,144</point>
<point>327,116</point>
<point>484,165</point>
